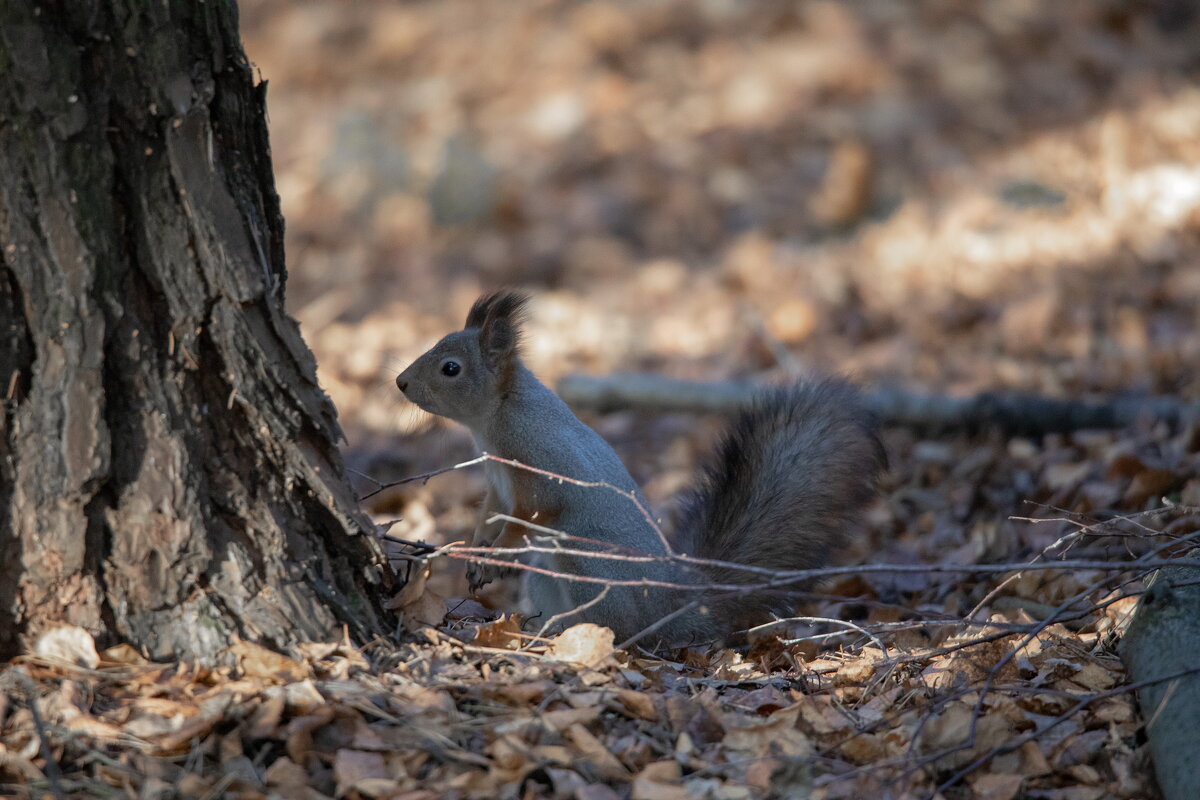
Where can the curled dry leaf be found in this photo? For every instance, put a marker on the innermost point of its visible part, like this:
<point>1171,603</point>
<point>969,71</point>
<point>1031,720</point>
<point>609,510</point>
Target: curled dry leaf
<point>587,644</point>
<point>257,661</point>
<point>70,644</point>
<point>639,704</point>
<point>504,632</point>
<point>595,753</point>
<point>997,786</point>
<point>416,603</point>
<point>659,781</point>
<point>756,737</point>
<point>124,654</point>
<point>353,768</point>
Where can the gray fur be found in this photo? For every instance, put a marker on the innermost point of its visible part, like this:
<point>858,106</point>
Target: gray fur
<point>790,479</point>
<point>785,487</point>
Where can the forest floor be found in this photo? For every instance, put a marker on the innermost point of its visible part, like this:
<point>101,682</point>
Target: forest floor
<point>948,197</point>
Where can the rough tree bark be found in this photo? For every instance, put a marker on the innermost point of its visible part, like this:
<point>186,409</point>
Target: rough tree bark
<point>1161,648</point>
<point>168,473</point>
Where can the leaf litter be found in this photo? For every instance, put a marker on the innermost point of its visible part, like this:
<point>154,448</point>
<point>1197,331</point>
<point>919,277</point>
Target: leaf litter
<point>954,196</point>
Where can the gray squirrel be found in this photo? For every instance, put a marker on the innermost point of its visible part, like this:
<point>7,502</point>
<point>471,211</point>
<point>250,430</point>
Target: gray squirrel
<point>790,478</point>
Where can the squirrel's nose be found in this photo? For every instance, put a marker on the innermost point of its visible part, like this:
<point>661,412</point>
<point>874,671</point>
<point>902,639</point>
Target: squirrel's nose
<point>401,384</point>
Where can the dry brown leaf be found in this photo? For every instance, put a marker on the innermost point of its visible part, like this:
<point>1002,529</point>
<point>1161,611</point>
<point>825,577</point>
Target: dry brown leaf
<point>1032,761</point>
<point>303,697</point>
<point>997,786</point>
<point>659,781</point>
<point>196,728</point>
<point>352,767</point>
<point>416,603</point>
<point>286,774</point>
<point>552,754</point>
<point>855,672</point>
<point>412,590</point>
<point>640,704</point>
<point>561,719</point>
<point>585,643</point>
<point>846,190</point>
<point>124,654</point>
<point>594,752</point>
<point>257,661</point>
<point>1117,709</point>
<point>760,771</point>
<point>504,632</point>
<point>429,609</point>
<point>70,644</point>
<point>149,726</point>
<point>596,791</point>
<point>315,651</point>
<point>950,730</point>
<point>758,737</point>
<point>819,714</point>
<point>267,716</point>
<point>95,728</point>
<point>730,665</point>
<point>20,764</point>
<point>1149,484</point>
<point>864,748</point>
<point>523,693</point>
<point>1095,677</point>
<point>766,700</point>
<point>299,733</point>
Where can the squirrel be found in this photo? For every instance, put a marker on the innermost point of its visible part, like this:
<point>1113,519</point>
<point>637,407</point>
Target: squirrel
<point>790,478</point>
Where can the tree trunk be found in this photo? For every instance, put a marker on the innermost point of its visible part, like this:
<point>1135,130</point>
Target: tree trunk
<point>168,473</point>
<point>1161,649</point>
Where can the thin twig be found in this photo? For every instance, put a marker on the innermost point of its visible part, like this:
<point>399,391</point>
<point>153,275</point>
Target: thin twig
<point>28,691</point>
<point>564,614</point>
<point>820,621</point>
<point>1083,703</point>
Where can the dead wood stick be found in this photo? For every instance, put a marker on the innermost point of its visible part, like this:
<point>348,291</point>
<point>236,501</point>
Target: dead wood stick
<point>1012,413</point>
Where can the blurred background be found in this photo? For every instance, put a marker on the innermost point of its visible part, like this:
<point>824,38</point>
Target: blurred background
<point>950,196</point>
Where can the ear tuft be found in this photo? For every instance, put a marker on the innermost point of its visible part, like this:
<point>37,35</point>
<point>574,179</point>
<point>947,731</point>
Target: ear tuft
<point>499,317</point>
<point>505,305</point>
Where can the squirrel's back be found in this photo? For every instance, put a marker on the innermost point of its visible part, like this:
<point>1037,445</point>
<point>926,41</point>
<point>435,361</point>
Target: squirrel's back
<point>784,489</point>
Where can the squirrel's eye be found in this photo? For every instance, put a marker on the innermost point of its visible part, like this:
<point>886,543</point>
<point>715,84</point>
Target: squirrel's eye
<point>451,368</point>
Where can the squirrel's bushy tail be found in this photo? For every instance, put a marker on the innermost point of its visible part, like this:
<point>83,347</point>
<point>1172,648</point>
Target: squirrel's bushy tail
<point>791,477</point>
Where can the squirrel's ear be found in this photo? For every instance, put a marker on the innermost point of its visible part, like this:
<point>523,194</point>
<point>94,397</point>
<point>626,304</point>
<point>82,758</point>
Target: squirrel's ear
<point>498,317</point>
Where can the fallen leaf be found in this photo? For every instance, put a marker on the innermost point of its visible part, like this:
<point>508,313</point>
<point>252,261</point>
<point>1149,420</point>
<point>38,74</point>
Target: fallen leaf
<point>257,661</point>
<point>758,737</point>
<point>659,781</point>
<point>586,643</point>
<point>70,644</point>
<point>124,654</point>
<point>299,733</point>
<point>640,704</point>
<point>997,786</point>
<point>504,632</point>
<point>352,767</point>
<point>286,774</point>
<point>596,791</point>
<point>594,752</point>
<point>267,716</point>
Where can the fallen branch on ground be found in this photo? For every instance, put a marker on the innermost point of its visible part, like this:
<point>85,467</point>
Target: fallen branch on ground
<point>1012,413</point>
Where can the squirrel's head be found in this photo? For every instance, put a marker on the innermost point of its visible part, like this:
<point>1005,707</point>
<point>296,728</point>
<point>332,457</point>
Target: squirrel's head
<point>468,373</point>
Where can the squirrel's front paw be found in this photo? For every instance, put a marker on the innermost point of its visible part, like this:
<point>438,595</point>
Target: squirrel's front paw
<point>480,575</point>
